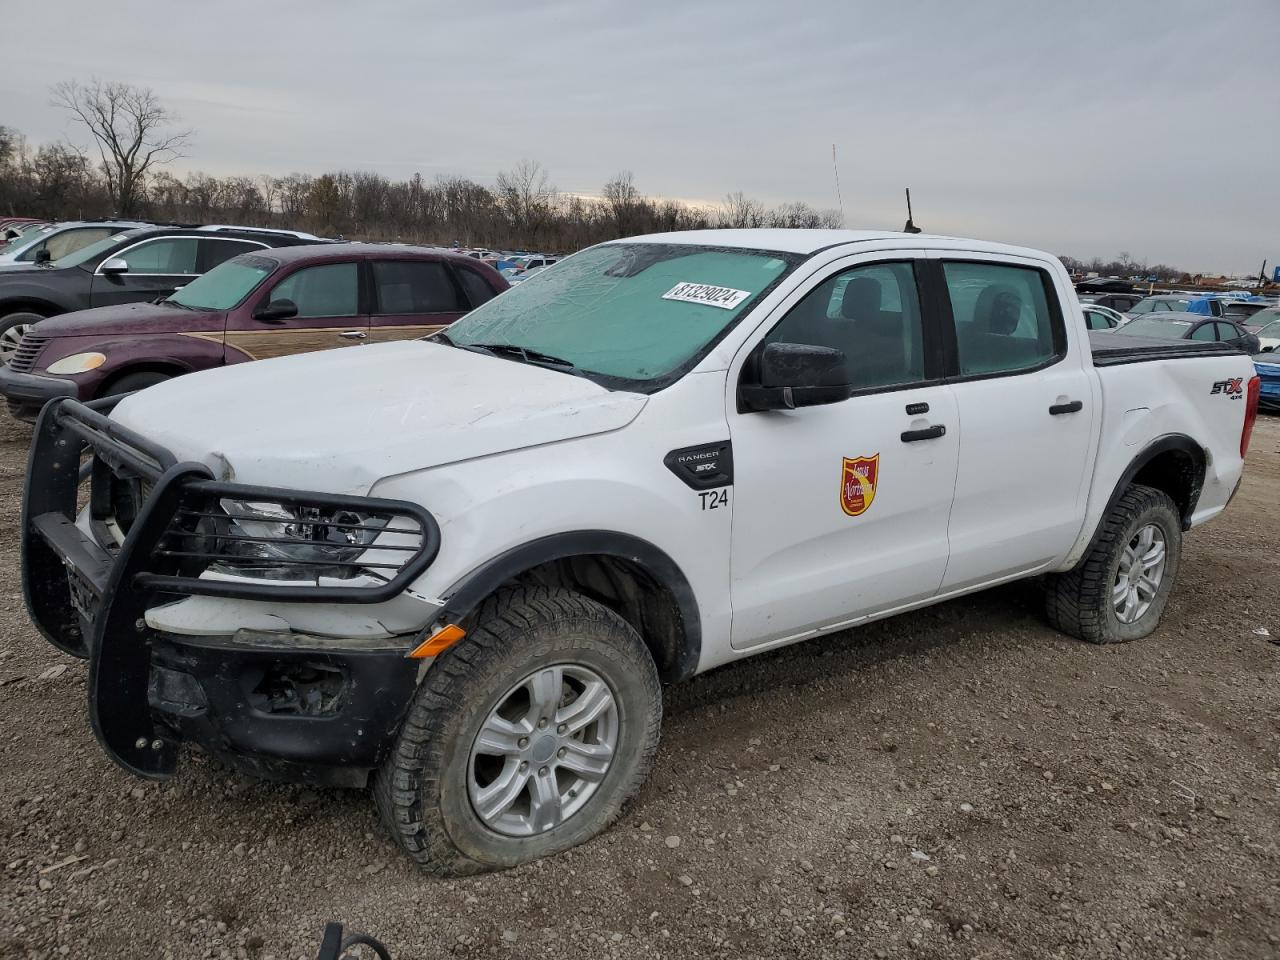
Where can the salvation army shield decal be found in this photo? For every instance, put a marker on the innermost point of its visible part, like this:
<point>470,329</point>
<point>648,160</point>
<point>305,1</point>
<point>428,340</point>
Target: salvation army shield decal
<point>858,484</point>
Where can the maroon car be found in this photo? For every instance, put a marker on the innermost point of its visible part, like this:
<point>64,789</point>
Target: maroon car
<point>256,305</point>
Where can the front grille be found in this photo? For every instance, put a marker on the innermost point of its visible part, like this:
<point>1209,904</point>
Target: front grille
<point>29,347</point>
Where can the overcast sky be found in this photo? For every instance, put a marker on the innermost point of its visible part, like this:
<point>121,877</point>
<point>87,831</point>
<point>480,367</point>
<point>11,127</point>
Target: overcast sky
<point>1087,128</point>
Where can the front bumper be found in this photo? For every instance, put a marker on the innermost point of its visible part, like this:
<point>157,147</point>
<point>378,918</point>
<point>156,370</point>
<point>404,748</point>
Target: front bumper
<point>281,705</point>
<point>27,393</point>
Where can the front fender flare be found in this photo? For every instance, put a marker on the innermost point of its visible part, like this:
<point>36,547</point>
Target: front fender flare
<point>466,595</point>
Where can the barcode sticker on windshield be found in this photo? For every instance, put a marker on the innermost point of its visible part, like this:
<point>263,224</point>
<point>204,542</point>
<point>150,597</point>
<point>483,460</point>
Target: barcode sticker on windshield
<point>724,297</point>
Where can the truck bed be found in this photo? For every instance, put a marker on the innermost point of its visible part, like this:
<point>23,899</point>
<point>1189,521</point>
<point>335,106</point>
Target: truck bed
<point>1110,349</point>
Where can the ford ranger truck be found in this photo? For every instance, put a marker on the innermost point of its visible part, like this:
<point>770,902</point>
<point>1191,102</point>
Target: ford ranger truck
<point>460,569</point>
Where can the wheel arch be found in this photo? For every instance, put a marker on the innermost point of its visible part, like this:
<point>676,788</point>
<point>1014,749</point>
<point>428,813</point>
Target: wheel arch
<point>143,366</point>
<point>1174,464</point>
<point>45,308</point>
<point>629,575</point>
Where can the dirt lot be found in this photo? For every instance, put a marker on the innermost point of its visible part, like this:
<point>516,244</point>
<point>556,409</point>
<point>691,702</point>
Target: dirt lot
<point>960,782</point>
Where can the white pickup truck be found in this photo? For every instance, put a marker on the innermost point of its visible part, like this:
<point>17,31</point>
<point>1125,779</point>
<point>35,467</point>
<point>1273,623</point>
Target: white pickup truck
<point>461,568</point>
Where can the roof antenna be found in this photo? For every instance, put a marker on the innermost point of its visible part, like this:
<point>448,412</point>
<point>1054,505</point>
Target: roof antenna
<point>910,227</point>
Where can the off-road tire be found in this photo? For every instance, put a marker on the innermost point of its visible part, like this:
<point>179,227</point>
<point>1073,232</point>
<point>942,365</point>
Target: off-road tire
<point>1079,602</point>
<point>421,789</point>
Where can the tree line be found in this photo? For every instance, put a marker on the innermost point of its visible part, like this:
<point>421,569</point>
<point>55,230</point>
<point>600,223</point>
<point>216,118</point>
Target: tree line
<point>134,137</point>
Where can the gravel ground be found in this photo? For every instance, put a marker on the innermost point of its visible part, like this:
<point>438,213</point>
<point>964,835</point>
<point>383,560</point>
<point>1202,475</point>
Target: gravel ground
<point>958,782</point>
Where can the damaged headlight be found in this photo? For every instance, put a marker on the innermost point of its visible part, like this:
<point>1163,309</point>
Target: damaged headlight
<point>285,542</point>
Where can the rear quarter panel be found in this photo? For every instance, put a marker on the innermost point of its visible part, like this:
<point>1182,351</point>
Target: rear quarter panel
<point>1144,402</point>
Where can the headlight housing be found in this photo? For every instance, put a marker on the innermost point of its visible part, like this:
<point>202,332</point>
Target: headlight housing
<point>77,363</point>
<point>278,541</point>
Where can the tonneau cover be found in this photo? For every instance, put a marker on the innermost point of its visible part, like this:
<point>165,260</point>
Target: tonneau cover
<point>1111,349</point>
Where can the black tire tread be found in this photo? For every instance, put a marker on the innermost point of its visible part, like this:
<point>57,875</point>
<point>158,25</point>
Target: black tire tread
<point>1076,602</point>
<point>399,786</point>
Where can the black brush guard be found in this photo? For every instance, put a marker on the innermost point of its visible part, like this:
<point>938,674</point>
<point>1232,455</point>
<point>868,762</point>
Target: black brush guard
<point>89,597</point>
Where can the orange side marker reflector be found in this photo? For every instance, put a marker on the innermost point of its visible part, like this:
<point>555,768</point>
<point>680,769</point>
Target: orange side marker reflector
<point>438,642</point>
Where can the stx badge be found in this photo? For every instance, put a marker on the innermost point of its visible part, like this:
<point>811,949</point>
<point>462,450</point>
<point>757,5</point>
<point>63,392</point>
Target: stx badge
<point>858,484</point>
<point>1232,388</point>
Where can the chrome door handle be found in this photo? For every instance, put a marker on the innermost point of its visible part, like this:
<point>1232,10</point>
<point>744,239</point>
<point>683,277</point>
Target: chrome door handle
<point>353,335</point>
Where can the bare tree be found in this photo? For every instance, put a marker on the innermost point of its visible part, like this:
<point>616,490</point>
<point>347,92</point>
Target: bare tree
<point>131,128</point>
<point>526,196</point>
<point>739,210</point>
<point>624,202</point>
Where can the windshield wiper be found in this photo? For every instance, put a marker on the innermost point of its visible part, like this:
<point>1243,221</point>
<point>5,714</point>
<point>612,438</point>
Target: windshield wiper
<point>536,357</point>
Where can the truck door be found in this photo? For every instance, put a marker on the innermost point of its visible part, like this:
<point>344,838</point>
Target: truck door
<point>840,511</point>
<point>1028,408</point>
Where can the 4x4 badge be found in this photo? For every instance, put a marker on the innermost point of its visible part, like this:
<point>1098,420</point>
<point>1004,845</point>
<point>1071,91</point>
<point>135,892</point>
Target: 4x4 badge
<point>858,484</point>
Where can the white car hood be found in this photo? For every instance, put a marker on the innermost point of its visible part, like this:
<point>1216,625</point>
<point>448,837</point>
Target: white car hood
<point>340,420</point>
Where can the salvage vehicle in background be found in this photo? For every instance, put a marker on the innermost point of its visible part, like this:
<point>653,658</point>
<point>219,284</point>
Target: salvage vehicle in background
<point>11,227</point>
<point>1190,326</point>
<point>56,240</point>
<point>1269,332</point>
<point>127,267</point>
<point>1120,302</point>
<point>465,565</point>
<point>264,304</point>
<point>1267,367</point>
<point>1161,303</point>
<point>1101,318</point>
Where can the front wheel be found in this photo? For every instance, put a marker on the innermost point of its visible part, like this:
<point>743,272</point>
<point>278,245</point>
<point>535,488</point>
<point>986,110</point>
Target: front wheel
<point>525,738</point>
<point>13,327</point>
<point>1119,589</point>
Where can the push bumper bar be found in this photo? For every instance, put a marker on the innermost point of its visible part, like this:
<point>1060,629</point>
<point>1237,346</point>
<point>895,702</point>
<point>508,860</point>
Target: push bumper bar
<point>89,596</point>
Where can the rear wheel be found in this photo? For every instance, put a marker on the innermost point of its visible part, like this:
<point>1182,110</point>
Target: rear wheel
<point>1120,588</point>
<point>525,738</point>
<point>13,327</point>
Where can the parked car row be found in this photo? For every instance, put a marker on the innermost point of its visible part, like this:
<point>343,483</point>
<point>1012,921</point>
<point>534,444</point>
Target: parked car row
<point>128,265</point>
<point>274,296</point>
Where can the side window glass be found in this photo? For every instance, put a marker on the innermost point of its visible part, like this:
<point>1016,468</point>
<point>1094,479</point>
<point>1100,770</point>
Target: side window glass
<point>1204,332</point>
<point>1142,306</point>
<point>1097,321</point>
<point>1227,331</point>
<point>218,251</point>
<point>870,314</point>
<point>326,290</point>
<point>475,286</point>
<point>69,241</point>
<point>414,286</point>
<point>172,255</point>
<point>1002,317</point>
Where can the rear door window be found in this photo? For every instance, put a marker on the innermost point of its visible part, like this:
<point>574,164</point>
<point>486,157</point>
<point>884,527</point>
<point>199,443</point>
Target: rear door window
<point>1003,320</point>
<point>414,287</point>
<point>1205,331</point>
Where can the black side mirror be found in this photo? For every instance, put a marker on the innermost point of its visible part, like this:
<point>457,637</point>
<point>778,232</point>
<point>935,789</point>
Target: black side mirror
<point>277,311</point>
<point>795,375</point>
<point>43,255</point>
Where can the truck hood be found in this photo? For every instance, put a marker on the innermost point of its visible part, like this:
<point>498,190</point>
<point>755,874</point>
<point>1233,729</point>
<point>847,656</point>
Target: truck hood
<point>340,420</point>
<point>128,319</point>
